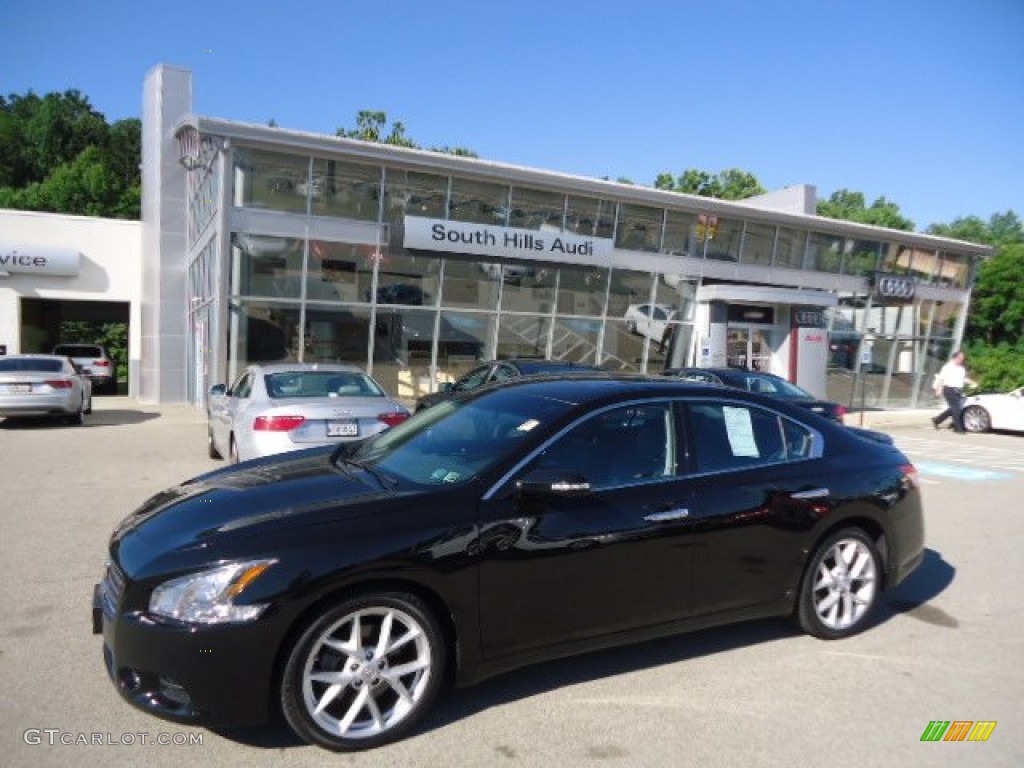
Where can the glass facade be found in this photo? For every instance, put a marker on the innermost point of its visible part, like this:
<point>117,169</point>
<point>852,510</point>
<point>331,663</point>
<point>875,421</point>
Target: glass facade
<point>324,275</point>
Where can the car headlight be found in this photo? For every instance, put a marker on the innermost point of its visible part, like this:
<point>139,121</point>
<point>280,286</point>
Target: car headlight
<point>208,597</point>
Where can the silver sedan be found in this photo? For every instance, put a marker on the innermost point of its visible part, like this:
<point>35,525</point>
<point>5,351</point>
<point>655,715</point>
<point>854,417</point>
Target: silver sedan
<point>282,407</point>
<point>43,385</point>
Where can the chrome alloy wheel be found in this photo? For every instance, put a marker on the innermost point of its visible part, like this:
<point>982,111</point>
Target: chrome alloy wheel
<point>367,672</point>
<point>845,584</point>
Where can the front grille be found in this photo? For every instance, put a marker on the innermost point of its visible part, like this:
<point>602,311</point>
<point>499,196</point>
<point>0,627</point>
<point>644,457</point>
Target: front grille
<point>112,588</point>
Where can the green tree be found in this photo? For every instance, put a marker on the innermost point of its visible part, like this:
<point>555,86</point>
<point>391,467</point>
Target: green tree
<point>58,154</point>
<point>731,184</point>
<point>850,206</point>
<point>372,125</point>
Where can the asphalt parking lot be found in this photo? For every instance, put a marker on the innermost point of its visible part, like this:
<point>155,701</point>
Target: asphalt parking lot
<point>948,644</point>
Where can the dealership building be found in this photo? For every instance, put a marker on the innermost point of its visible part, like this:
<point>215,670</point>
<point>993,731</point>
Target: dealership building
<point>264,244</point>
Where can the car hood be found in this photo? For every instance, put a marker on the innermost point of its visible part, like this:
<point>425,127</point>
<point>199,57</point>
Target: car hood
<point>257,498</point>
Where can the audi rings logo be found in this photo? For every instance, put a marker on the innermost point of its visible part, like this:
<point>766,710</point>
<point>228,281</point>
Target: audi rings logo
<point>898,287</point>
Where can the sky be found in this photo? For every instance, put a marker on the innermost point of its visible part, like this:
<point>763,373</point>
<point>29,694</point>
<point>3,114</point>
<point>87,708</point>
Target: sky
<point>917,101</point>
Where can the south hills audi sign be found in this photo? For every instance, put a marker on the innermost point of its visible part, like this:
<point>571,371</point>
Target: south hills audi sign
<point>503,242</point>
<point>894,289</point>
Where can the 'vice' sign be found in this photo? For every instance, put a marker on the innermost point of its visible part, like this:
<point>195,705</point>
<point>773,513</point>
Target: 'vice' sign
<point>39,260</point>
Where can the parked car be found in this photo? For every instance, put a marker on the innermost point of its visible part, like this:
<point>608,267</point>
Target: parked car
<point>287,406</point>
<point>94,362</point>
<point>521,523</point>
<point>499,370</point>
<point>996,410</point>
<point>764,383</point>
<point>649,320</point>
<point>44,385</point>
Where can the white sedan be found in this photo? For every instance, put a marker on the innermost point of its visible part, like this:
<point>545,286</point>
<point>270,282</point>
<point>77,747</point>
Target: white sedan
<point>649,320</point>
<point>1003,410</point>
<point>280,407</point>
<point>44,385</point>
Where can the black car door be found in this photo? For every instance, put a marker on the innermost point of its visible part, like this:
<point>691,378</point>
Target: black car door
<point>755,495</point>
<point>562,567</point>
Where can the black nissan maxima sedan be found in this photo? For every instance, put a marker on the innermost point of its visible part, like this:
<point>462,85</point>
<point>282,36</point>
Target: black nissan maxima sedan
<point>344,587</point>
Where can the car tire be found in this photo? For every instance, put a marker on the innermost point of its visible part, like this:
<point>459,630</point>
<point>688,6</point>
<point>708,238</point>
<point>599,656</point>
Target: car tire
<point>841,586</point>
<point>364,673</point>
<point>211,448</point>
<point>88,406</point>
<point>976,419</point>
<point>77,419</point>
<point>631,327</point>
<point>233,450</point>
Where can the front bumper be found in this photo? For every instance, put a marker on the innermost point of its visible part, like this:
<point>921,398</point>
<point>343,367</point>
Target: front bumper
<point>211,675</point>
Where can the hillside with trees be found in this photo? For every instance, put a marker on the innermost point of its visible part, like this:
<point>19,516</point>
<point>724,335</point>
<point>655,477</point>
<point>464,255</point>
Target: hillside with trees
<point>59,154</point>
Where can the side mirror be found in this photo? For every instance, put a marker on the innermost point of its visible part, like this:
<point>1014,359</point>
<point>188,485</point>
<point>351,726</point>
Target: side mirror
<point>218,390</point>
<point>553,482</point>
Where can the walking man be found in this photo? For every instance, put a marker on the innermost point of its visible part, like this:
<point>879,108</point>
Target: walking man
<point>953,377</point>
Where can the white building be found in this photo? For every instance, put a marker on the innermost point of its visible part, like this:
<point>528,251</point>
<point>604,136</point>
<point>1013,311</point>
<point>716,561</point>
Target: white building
<point>259,243</point>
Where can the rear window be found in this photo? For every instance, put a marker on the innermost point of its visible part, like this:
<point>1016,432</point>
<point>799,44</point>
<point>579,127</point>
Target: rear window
<point>16,364</point>
<point>78,350</point>
<point>321,384</point>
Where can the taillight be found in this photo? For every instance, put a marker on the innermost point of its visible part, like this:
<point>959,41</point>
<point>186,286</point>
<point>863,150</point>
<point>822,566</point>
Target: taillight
<point>277,423</point>
<point>393,418</point>
<point>101,363</point>
<point>840,414</point>
<point>59,383</point>
<point>910,475</point>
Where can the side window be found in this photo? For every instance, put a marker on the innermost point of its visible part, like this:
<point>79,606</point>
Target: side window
<point>504,373</point>
<point>799,442</point>
<point>233,389</point>
<point>243,387</point>
<point>737,436</point>
<point>473,379</point>
<point>618,447</point>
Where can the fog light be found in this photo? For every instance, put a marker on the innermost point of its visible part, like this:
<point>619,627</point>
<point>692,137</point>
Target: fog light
<point>173,692</point>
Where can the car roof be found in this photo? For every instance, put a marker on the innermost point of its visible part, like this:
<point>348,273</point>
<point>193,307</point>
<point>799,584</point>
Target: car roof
<point>33,356</point>
<point>587,386</point>
<point>530,365</point>
<point>600,387</point>
<point>304,367</point>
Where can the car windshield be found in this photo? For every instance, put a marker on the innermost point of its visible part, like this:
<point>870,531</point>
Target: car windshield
<point>454,441</point>
<point>29,364</point>
<point>292,384</point>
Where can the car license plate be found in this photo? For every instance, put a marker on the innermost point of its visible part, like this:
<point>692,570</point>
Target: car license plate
<point>347,428</point>
<point>17,389</point>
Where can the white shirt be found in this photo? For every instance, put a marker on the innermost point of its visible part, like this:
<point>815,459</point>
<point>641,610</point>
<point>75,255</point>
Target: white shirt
<point>953,375</point>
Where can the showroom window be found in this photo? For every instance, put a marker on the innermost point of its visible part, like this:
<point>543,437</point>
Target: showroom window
<point>758,243</point>
<point>478,201</point>
<point>639,228</point>
<point>266,266</point>
<point>790,246</point>
<point>536,209</point>
<point>271,180</point>
<point>345,190</point>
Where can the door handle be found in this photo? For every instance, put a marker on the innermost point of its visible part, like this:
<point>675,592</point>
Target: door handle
<point>678,513</point>
<point>814,493</point>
